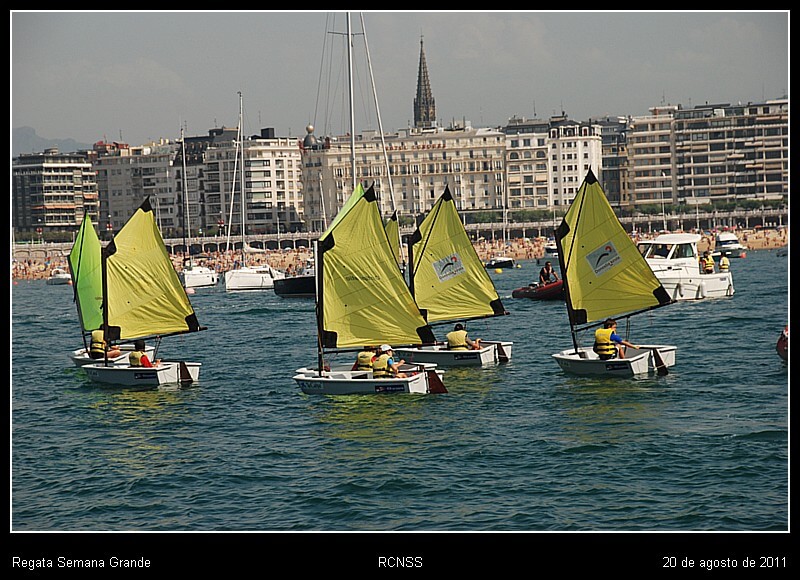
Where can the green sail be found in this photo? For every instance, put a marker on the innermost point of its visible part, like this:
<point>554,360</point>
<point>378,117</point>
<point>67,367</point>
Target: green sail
<point>449,280</point>
<point>143,291</point>
<point>364,298</point>
<point>87,276</point>
<point>605,274</point>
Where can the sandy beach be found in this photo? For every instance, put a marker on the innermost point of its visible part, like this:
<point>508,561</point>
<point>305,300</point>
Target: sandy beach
<point>293,260</point>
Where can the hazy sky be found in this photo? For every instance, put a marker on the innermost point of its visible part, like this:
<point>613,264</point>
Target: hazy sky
<point>138,76</point>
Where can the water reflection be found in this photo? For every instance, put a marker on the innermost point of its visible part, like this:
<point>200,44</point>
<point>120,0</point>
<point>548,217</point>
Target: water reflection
<point>141,427</point>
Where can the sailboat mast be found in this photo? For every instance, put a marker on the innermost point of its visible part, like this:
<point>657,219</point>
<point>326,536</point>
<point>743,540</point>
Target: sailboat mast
<point>187,235</point>
<point>233,190</point>
<point>318,306</point>
<point>243,197</point>
<point>352,113</point>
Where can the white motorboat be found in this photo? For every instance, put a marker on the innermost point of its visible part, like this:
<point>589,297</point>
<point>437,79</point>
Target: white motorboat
<point>194,276</point>
<point>605,277</point>
<point>728,244</point>
<point>674,260</point>
<point>59,276</point>
<point>500,262</point>
<point>252,278</point>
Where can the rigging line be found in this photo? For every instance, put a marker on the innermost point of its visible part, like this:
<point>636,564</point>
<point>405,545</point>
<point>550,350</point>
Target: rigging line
<point>380,130</point>
<point>415,267</point>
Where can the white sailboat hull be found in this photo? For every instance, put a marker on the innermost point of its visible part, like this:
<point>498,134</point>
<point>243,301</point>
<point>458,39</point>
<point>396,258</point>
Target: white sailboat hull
<point>198,277</point>
<point>59,279</point>
<point>637,362</point>
<point>425,380</point>
<point>491,352</point>
<point>250,278</point>
<point>683,285</point>
<point>80,356</point>
<point>124,375</point>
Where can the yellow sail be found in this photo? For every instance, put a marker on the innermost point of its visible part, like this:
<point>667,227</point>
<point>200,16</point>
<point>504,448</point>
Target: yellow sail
<point>364,298</point>
<point>604,273</point>
<point>87,276</point>
<point>143,292</point>
<point>448,279</point>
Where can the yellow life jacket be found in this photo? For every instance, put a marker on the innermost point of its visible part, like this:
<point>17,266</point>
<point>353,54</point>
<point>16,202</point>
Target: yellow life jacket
<point>457,340</point>
<point>603,345</point>
<point>135,358</point>
<point>98,345</point>
<point>707,264</point>
<point>364,361</point>
<point>380,367</point>
<point>724,264</point>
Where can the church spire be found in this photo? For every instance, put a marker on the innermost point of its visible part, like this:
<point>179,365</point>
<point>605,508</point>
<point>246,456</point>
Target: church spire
<point>424,105</point>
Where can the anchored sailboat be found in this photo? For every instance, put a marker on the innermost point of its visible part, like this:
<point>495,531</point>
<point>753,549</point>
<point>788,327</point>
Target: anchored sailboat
<point>605,276</point>
<point>450,284</point>
<point>261,277</point>
<point>143,298</point>
<point>192,275</point>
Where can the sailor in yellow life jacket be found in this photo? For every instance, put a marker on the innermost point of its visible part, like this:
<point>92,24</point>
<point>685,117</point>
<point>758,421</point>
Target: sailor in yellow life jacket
<point>384,365</point>
<point>724,263</point>
<point>707,263</point>
<point>98,346</point>
<point>364,360</point>
<point>138,358</point>
<point>606,341</point>
<point>458,340</point>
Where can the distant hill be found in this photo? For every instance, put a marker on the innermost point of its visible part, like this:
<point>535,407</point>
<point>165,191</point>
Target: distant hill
<point>25,140</point>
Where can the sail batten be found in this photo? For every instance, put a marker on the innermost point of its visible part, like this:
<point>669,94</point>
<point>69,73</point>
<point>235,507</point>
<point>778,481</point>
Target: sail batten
<point>449,279</point>
<point>365,298</point>
<point>144,294</point>
<point>605,274</point>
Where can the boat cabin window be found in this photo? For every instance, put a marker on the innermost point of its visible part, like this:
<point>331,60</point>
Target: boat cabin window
<point>658,251</point>
<point>684,251</point>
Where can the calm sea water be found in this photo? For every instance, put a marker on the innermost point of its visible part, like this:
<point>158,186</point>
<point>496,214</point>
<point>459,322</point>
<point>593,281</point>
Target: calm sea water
<point>515,448</point>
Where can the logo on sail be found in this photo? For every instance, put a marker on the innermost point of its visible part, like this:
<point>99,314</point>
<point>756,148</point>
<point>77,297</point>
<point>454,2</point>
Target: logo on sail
<point>448,267</point>
<point>603,258</point>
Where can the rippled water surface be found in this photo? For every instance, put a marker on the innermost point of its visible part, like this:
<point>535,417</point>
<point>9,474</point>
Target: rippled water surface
<point>517,447</point>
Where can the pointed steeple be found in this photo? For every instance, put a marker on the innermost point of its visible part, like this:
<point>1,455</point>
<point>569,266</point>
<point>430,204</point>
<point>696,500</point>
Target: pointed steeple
<point>424,105</point>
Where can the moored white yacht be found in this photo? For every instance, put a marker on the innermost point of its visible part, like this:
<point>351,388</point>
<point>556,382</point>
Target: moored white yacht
<point>674,260</point>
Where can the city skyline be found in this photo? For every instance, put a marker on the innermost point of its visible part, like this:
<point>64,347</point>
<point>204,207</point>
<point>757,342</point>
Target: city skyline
<point>139,76</point>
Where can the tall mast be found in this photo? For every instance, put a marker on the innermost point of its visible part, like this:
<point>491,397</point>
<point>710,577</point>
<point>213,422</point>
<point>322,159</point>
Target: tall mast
<point>383,141</point>
<point>243,197</point>
<point>352,114</point>
<point>187,235</point>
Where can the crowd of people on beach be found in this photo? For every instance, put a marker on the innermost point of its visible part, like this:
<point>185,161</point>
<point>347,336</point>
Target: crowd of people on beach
<point>293,260</point>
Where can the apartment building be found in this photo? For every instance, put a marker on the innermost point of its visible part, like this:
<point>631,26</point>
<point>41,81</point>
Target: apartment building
<point>409,170</point>
<point>709,153</point>
<point>51,191</point>
<point>547,160</point>
<point>273,186</point>
<point>127,175</point>
<point>732,152</point>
